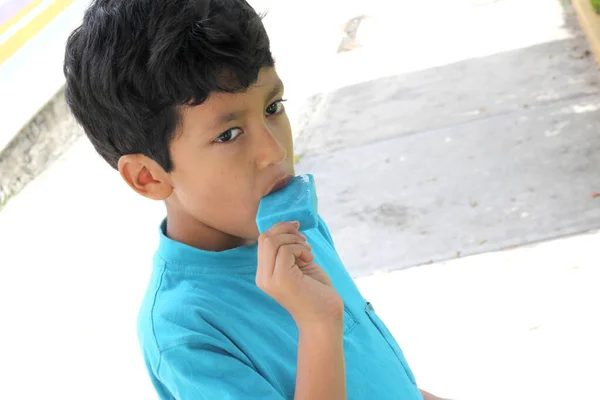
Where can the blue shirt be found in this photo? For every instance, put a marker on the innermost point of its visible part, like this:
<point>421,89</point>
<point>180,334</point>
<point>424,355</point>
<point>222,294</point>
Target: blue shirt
<point>208,332</point>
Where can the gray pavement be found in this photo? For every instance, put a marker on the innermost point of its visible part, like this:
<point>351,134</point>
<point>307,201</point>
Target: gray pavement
<point>483,154</point>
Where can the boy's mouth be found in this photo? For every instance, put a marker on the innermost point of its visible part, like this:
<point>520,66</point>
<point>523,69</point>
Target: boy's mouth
<point>281,183</point>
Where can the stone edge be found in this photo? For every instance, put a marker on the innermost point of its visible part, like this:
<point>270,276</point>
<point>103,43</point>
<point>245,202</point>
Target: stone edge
<point>590,22</point>
<point>41,142</point>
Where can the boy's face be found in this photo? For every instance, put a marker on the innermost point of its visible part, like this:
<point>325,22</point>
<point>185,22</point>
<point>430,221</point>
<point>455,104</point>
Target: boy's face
<point>229,152</point>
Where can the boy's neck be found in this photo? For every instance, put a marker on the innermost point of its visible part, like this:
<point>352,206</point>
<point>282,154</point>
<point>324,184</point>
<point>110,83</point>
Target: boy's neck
<point>185,229</point>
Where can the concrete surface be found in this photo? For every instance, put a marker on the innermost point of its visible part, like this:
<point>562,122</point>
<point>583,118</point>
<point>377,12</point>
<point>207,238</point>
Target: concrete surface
<point>502,86</point>
<point>37,146</point>
<point>477,155</point>
<point>483,185</point>
<point>75,245</point>
<point>517,325</point>
<point>33,75</point>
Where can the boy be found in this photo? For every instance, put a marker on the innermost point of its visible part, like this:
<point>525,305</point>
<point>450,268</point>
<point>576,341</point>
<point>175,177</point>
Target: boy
<point>183,99</point>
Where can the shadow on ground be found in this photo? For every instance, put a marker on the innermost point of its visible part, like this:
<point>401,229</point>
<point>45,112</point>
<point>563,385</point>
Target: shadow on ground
<point>474,156</point>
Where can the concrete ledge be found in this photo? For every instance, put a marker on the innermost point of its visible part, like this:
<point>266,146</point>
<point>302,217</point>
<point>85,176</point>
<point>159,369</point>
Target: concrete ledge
<point>590,22</point>
<point>36,146</point>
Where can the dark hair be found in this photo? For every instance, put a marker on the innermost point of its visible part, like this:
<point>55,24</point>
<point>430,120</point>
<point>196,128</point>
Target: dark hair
<point>132,64</point>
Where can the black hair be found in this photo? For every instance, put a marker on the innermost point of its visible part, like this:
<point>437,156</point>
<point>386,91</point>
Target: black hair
<point>132,65</point>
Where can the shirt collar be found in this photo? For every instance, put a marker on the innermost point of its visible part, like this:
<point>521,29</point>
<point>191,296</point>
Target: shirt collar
<point>183,257</point>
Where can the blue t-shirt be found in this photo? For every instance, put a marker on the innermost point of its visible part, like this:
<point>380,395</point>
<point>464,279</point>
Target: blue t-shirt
<point>208,332</point>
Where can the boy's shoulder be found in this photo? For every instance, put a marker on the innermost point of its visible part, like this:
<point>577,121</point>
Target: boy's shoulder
<point>176,309</point>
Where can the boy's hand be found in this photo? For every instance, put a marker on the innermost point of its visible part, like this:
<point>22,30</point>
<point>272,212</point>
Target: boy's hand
<point>287,273</point>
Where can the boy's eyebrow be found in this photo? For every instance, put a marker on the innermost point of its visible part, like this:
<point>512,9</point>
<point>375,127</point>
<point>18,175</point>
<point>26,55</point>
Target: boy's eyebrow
<point>232,116</point>
<point>278,88</point>
<point>226,118</point>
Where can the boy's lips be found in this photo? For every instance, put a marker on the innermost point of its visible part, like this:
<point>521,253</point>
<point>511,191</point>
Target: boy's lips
<point>281,183</point>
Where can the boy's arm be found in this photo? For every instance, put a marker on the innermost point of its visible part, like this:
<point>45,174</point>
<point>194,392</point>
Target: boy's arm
<point>287,273</point>
<point>321,369</point>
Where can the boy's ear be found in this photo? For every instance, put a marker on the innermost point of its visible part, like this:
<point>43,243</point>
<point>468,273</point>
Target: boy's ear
<point>145,176</point>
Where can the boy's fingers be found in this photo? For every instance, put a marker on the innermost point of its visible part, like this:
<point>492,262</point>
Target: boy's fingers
<point>267,252</point>
<point>283,227</point>
<point>269,244</point>
<point>307,257</point>
<point>287,257</point>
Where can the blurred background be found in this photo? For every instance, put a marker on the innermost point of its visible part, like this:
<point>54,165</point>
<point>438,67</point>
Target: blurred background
<point>456,147</point>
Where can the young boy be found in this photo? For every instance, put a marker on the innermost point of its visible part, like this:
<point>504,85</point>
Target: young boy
<point>182,97</point>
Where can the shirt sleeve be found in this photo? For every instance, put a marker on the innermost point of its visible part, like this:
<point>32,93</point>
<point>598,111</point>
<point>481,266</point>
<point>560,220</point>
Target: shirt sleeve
<point>201,371</point>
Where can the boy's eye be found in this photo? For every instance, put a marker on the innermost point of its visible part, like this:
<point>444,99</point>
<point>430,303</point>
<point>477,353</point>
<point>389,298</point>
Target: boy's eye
<point>228,135</point>
<point>275,108</point>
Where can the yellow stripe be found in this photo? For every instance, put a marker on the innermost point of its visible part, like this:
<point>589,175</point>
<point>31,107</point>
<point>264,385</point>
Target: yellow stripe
<point>16,18</point>
<point>23,35</point>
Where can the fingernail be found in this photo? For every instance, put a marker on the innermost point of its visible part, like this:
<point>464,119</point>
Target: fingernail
<point>303,236</point>
<point>296,224</point>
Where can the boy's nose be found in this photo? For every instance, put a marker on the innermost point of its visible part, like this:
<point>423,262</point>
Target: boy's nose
<point>270,150</point>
